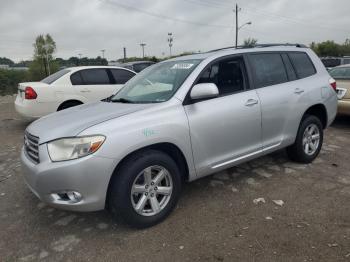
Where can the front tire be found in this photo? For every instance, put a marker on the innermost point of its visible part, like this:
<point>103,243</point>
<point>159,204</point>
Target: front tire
<point>145,189</point>
<point>308,142</point>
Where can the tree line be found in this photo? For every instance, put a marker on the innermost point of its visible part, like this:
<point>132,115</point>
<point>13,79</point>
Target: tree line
<point>331,48</point>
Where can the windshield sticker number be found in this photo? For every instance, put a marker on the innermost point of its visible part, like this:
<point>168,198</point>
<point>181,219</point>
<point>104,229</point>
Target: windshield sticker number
<point>182,66</point>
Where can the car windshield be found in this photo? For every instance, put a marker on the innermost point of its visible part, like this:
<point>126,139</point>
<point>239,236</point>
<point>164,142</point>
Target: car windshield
<point>340,73</point>
<point>157,83</point>
<point>52,78</point>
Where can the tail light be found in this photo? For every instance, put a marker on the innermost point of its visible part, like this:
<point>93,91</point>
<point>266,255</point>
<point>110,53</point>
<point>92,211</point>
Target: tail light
<point>333,83</point>
<point>30,93</point>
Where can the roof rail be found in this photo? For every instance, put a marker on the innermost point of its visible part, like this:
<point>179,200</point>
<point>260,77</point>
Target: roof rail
<point>258,46</point>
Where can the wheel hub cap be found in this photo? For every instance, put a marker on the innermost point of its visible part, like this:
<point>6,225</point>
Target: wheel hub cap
<point>151,190</point>
<point>311,139</point>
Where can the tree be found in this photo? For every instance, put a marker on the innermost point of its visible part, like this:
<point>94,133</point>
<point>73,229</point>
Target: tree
<point>6,61</point>
<point>327,48</point>
<point>44,47</point>
<point>250,42</point>
<point>345,48</point>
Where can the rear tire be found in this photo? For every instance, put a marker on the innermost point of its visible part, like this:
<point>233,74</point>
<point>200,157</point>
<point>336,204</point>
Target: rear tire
<point>308,142</point>
<point>137,196</point>
<point>68,104</point>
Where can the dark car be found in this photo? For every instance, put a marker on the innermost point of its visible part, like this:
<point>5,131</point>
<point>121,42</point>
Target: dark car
<point>137,66</point>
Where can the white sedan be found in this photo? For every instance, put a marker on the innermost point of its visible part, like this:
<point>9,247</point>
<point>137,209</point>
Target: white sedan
<point>69,87</point>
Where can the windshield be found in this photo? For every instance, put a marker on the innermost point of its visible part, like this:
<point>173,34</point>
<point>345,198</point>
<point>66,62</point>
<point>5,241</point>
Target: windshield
<point>52,78</point>
<point>157,83</point>
<point>340,73</point>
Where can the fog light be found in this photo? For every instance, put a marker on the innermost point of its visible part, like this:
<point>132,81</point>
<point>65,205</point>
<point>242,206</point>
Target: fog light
<point>70,197</point>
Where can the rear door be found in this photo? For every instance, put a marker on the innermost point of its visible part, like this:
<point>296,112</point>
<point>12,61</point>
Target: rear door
<point>93,83</point>
<point>226,128</point>
<point>281,94</point>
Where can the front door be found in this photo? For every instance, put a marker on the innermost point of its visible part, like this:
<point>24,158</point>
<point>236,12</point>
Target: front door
<point>227,128</point>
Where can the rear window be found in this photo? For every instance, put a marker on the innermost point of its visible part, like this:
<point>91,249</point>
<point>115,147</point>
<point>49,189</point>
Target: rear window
<point>121,76</point>
<point>76,79</point>
<point>52,78</point>
<point>95,76</point>
<point>302,64</point>
<point>269,69</point>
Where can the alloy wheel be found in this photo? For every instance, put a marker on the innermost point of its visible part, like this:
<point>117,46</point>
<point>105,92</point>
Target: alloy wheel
<point>311,139</point>
<point>151,190</point>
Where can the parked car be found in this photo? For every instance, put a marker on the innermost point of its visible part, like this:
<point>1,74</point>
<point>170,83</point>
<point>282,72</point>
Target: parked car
<point>179,120</point>
<point>137,66</point>
<point>342,75</point>
<point>69,87</point>
<point>330,62</point>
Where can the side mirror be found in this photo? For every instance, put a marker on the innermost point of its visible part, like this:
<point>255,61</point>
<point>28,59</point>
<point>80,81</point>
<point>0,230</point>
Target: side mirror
<point>204,90</point>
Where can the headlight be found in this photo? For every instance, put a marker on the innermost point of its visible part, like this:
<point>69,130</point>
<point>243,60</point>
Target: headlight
<point>75,147</point>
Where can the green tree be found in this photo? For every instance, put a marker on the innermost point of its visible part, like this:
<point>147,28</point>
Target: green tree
<point>42,65</point>
<point>328,48</point>
<point>6,61</point>
<point>250,42</point>
<point>345,48</point>
<point>9,80</point>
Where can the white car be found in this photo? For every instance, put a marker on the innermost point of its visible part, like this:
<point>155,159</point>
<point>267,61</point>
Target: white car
<point>69,87</point>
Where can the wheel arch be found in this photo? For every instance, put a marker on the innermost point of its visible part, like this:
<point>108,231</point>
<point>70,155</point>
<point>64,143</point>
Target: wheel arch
<point>320,111</point>
<point>69,101</point>
<point>168,148</point>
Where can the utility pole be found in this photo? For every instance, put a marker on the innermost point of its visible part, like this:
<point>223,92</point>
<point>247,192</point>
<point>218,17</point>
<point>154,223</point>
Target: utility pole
<point>103,53</point>
<point>237,26</point>
<point>143,49</point>
<point>170,41</point>
<point>79,58</point>
<point>236,11</point>
<point>124,53</point>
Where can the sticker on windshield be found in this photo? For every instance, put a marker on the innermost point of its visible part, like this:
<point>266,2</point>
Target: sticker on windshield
<point>182,66</point>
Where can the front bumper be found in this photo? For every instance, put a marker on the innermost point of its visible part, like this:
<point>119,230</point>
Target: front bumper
<point>89,176</point>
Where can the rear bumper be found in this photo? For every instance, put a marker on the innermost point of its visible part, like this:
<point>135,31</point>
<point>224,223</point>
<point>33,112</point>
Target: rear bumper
<point>32,109</point>
<point>344,107</point>
<point>331,106</point>
<point>88,175</point>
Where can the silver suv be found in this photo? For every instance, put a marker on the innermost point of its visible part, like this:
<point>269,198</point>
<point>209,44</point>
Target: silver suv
<point>179,120</point>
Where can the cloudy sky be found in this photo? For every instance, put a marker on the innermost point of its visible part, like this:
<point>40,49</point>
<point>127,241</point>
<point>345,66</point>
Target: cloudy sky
<point>87,26</point>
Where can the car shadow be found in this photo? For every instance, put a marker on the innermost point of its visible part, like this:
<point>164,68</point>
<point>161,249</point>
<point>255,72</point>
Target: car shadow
<point>342,122</point>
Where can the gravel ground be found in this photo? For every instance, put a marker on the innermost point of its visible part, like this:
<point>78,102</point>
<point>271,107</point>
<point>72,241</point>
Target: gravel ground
<point>230,216</point>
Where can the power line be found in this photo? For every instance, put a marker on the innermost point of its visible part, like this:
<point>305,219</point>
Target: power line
<point>113,3</point>
<point>261,12</point>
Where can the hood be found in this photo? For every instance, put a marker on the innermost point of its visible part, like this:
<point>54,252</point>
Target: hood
<point>72,121</point>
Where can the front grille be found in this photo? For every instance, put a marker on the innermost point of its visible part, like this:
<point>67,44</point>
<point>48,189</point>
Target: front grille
<point>31,146</point>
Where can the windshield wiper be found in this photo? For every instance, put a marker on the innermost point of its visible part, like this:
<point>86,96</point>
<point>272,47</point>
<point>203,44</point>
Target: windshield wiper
<point>108,99</point>
<point>122,100</point>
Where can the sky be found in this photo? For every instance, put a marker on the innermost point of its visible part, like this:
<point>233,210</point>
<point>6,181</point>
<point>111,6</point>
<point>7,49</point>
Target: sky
<point>88,26</point>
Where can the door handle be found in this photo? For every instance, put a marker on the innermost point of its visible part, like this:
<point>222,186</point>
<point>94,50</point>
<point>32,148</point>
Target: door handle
<point>298,91</point>
<point>251,102</point>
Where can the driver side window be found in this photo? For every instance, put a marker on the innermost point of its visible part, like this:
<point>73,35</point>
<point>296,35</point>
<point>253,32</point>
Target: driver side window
<point>227,74</point>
